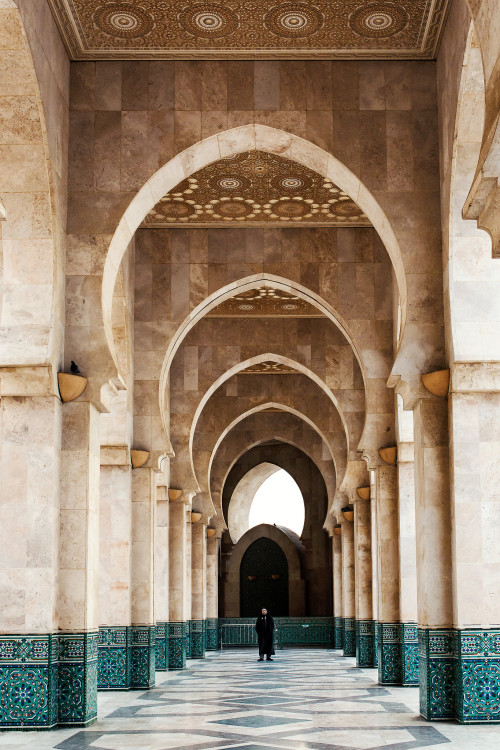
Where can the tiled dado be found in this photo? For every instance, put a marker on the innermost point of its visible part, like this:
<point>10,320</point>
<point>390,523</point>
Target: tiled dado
<point>409,654</point>
<point>142,656</point>
<point>161,646</point>
<point>436,668</point>
<point>48,680</point>
<point>389,653</point>
<point>114,658</point>
<point>176,645</point>
<point>477,675</point>
<point>349,636</point>
<point>338,633</point>
<point>211,634</point>
<point>365,643</point>
<point>197,639</point>
<point>187,640</point>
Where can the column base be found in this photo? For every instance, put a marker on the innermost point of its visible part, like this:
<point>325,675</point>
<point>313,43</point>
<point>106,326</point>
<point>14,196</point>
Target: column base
<point>197,639</point>
<point>477,676</point>
<point>176,645</point>
<point>28,681</point>
<point>349,636</point>
<point>187,639</point>
<point>436,669</point>
<point>212,634</point>
<point>78,663</point>
<point>114,658</point>
<point>409,654</point>
<point>161,646</point>
<point>142,656</point>
<point>389,653</point>
<point>338,632</point>
<point>365,643</point>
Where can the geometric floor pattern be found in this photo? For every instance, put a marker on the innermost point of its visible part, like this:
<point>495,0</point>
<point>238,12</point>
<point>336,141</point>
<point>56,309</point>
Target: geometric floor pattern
<point>304,700</point>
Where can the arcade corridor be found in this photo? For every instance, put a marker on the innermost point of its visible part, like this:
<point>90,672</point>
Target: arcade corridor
<point>304,700</point>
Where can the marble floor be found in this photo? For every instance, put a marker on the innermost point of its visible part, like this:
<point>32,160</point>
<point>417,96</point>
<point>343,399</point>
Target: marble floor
<point>303,700</point>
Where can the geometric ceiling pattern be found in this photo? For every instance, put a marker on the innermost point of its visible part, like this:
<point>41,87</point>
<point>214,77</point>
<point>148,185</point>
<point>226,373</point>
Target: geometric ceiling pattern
<point>265,303</point>
<point>388,29</point>
<point>269,368</point>
<point>256,187</point>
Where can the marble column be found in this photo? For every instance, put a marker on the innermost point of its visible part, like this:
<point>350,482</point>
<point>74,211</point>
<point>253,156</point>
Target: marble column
<point>407,565</point>
<point>474,410</point>
<point>212,629</point>
<point>187,580</point>
<point>365,624</point>
<point>197,636</point>
<point>338,638</point>
<point>375,566</point>
<point>142,640</point>
<point>389,628</point>
<point>78,597</point>
<point>177,563</point>
<point>434,572</point>
<point>348,589</point>
<point>115,550</point>
<point>161,563</point>
<point>30,444</point>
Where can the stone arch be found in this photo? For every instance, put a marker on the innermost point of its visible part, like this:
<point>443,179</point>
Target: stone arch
<point>30,191</point>
<point>230,142</point>
<point>242,498</point>
<point>296,585</point>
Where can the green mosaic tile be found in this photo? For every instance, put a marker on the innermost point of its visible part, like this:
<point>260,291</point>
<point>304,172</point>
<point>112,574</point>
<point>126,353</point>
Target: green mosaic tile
<point>349,636</point>
<point>212,634</point>
<point>365,643</point>
<point>142,656</point>
<point>161,646</point>
<point>389,653</point>
<point>176,645</point>
<point>437,673</point>
<point>339,633</point>
<point>77,689</point>
<point>477,676</point>
<point>409,654</point>
<point>113,658</point>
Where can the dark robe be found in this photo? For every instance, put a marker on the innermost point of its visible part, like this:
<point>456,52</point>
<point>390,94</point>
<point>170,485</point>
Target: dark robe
<point>265,632</point>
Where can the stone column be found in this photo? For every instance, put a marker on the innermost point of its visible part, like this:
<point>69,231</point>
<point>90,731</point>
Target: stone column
<point>389,629</point>
<point>115,550</point>
<point>338,623</point>
<point>198,590</point>
<point>434,585</point>
<point>177,563</point>
<point>187,581</point>
<point>407,565</point>
<point>161,592</point>
<point>375,566</point>
<point>348,584</point>
<point>79,564</point>
<point>30,444</point>
<point>142,639</point>
<point>365,625</point>
<point>212,629</point>
<point>474,406</point>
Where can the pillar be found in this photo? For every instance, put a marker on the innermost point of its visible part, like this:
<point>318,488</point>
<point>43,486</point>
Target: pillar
<point>187,581</point>
<point>389,628</point>
<point>338,622</point>
<point>79,564</point>
<point>407,565</point>
<point>30,442</point>
<point>177,563</point>
<point>198,590</point>
<point>474,413</point>
<point>375,566</point>
<point>365,624</point>
<point>161,566</point>
<point>348,600</point>
<point>142,638</point>
<point>434,586</point>
<point>212,629</point>
<point>115,530</point>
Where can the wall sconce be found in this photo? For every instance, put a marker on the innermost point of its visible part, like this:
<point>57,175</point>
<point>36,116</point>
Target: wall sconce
<point>70,386</point>
<point>252,578</point>
<point>363,493</point>
<point>389,455</point>
<point>174,495</point>
<point>337,530</point>
<point>348,513</point>
<point>437,382</point>
<point>138,458</point>
<point>275,576</point>
<point>211,532</point>
<point>195,516</point>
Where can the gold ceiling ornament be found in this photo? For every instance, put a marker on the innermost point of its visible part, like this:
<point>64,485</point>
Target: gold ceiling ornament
<point>269,368</point>
<point>257,187</point>
<point>437,383</point>
<point>343,29</point>
<point>265,303</point>
<point>389,455</point>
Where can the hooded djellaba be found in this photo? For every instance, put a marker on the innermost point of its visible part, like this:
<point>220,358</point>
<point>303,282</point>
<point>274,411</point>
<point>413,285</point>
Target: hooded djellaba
<point>265,633</point>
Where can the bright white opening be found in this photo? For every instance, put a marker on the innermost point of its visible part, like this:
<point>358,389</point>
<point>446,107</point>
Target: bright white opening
<point>278,501</point>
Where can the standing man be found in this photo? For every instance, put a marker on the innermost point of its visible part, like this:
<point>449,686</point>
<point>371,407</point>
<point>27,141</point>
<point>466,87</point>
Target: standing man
<point>265,632</point>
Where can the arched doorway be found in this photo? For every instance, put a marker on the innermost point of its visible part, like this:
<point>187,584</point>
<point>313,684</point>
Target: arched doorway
<point>264,579</point>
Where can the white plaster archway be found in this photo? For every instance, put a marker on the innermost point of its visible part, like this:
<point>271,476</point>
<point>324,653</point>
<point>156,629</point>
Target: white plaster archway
<point>230,142</point>
<point>242,498</point>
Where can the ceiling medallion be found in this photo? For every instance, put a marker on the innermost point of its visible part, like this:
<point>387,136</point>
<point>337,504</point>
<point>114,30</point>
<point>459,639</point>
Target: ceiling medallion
<point>345,208</point>
<point>378,20</point>
<point>123,20</point>
<point>265,303</point>
<point>294,20</point>
<point>209,20</point>
<point>269,368</point>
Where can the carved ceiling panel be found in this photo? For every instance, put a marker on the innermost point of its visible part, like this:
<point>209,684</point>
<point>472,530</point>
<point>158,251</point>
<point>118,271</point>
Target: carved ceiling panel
<point>256,187</point>
<point>265,303</point>
<point>405,29</point>
<point>269,368</point>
